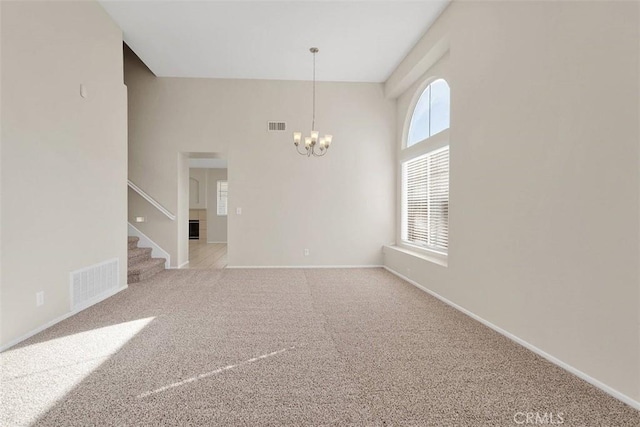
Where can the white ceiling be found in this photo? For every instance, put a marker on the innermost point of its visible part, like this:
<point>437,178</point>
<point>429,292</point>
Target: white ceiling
<point>358,40</point>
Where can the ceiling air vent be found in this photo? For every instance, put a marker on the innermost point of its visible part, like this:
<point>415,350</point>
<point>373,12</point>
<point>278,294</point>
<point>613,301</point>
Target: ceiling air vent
<point>277,126</point>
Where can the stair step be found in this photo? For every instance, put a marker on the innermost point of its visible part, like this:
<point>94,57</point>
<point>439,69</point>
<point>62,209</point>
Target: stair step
<point>145,269</point>
<point>133,242</point>
<point>137,255</point>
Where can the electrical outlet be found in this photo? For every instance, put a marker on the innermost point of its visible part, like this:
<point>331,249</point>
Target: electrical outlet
<point>238,211</point>
<point>306,252</point>
<point>39,298</point>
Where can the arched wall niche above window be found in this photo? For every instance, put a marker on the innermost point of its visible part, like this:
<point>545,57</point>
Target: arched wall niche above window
<point>194,190</point>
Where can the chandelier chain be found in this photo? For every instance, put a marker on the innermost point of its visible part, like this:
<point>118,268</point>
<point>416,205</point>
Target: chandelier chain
<point>313,120</point>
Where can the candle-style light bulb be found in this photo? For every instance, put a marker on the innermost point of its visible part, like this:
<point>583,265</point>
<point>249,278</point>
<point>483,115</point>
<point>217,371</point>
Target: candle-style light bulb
<point>297,136</point>
<point>327,139</point>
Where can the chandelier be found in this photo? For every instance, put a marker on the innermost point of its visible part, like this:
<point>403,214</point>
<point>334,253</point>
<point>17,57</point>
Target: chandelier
<point>313,144</point>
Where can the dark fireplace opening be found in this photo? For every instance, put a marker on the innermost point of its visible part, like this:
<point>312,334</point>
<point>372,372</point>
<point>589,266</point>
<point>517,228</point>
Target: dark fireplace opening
<point>194,229</point>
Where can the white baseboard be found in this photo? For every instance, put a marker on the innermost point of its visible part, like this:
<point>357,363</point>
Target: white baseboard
<point>302,266</point>
<point>49,324</point>
<point>602,386</point>
<point>180,266</point>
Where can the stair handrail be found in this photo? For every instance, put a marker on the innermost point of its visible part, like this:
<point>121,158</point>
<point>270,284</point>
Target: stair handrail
<point>151,200</point>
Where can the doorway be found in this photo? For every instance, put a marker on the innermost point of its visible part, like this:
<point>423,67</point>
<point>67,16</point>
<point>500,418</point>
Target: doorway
<point>208,193</point>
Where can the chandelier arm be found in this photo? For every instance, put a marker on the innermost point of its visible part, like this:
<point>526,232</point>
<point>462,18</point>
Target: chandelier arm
<point>304,153</point>
<point>322,152</point>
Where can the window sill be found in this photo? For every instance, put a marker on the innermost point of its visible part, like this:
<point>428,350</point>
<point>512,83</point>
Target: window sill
<point>433,257</point>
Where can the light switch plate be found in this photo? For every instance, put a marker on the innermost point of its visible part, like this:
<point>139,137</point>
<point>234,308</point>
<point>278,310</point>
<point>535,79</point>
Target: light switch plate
<point>39,298</point>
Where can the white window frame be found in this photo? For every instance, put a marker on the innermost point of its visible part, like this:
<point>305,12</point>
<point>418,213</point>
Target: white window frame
<point>222,210</point>
<point>418,149</point>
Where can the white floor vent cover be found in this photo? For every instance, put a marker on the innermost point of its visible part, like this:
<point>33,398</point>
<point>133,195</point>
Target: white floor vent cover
<point>89,285</point>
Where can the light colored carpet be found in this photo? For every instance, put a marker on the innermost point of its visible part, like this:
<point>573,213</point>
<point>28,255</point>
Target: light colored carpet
<point>285,347</point>
<point>140,265</point>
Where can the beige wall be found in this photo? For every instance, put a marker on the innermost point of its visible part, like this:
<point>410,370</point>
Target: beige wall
<point>64,158</point>
<point>183,208</point>
<point>339,206</point>
<point>217,230</point>
<point>544,178</point>
<point>1,178</point>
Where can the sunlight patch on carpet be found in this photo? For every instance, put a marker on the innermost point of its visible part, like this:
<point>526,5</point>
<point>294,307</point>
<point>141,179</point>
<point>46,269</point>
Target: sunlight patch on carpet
<point>35,377</point>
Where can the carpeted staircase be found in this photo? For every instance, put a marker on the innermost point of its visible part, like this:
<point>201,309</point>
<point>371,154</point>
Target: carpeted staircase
<point>141,265</point>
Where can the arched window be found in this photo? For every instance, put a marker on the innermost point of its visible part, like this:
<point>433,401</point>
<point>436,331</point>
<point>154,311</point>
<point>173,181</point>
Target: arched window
<point>431,114</point>
<point>425,172</point>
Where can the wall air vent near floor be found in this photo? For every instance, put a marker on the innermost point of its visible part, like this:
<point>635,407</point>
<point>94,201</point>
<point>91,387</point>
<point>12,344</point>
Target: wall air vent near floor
<point>94,283</point>
<point>277,126</point>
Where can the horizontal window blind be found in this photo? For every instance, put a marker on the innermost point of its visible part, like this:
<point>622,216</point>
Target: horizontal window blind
<point>222,197</point>
<point>425,185</point>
